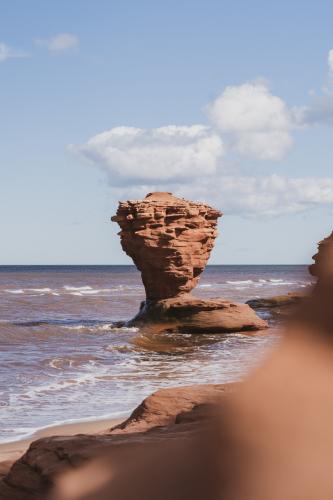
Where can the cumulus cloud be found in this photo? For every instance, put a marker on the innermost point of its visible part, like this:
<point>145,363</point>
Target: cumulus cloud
<point>171,153</point>
<point>59,42</point>
<point>247,196</point>
<point>192,161</point>
<point>7,52</point>
<point>264,196</point>
<point>258,123</point>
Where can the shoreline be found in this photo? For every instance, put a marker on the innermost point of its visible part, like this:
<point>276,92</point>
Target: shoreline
<point>13,450</point>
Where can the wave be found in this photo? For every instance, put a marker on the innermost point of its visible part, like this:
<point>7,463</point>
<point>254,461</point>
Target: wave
<point>60,385</point>
<point>21,433</point>
<point>79,291</point>
<point>244,282</point>
<point>77,288</point>
<point>277,283</point>
<point>104,327</point>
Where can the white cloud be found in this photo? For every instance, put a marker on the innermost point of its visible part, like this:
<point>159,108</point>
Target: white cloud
<point>330,61</point>
<point>246,119</point>
<point>60,42</point>
<point>262,196</point>
<point>258,123</point>
<point>7,52</point>
<point>247,196</point>
<point>172,153</point>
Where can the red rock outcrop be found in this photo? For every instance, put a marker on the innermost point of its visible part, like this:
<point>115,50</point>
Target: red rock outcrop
<point>169,240</point>
<point>167,417</point>
<point>323,260</point>
<point>187,314</point>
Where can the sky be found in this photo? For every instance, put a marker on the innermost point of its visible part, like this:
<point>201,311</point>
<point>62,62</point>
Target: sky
<point>228,102</point>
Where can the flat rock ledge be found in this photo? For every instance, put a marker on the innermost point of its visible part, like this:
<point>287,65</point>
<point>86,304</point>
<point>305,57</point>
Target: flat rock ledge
<point>167,416</point>
<point>188,314</point>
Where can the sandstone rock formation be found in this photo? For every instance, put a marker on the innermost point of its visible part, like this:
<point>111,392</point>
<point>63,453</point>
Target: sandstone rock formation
<point>170,240</point>
<point>323,260</point>
<point>280,306</point>
<point>168,416</point>
<point>187,314</point>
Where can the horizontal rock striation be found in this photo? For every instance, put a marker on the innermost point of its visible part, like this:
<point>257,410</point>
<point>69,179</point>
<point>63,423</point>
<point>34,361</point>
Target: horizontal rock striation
<point>169,240</point>
<point>323,260</point>
<point>187,314</point>
<point>169,416</point>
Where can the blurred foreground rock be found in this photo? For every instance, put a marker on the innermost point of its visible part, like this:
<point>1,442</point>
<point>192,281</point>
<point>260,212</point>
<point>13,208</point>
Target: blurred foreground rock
<point>167,416</point>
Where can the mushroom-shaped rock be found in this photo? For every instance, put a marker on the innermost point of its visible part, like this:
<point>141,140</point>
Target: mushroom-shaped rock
<point>170,240</point>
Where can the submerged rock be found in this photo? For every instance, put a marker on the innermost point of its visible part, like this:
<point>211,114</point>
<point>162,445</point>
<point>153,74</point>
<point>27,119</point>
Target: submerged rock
<point>289,299</point>
<point>184,314</point>
<point>170,240</point>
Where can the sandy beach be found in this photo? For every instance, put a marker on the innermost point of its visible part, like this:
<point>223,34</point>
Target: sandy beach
<point>9,452</point>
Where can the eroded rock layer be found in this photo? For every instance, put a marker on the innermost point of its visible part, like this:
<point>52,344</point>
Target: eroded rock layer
<point>172,416</point>
<point>169,240</point>
<point>323,260</point>
<point>188,314</point>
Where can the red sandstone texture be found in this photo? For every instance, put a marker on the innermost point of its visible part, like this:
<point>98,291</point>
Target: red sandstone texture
<point>169,240</point>
<point>323,260</point>
<point>169,417</point>
<point>188,314</point>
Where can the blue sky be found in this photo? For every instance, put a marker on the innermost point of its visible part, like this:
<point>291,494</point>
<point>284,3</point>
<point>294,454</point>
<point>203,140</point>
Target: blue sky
<point>229,102</point>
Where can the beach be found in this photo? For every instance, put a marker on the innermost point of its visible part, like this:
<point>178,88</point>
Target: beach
<point>12,451</point>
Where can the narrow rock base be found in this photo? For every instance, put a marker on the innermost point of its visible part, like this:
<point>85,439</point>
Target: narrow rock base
<point>187,314</point>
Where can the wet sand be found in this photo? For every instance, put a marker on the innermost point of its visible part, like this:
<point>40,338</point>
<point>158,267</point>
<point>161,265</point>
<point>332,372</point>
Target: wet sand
<point>12,451</point>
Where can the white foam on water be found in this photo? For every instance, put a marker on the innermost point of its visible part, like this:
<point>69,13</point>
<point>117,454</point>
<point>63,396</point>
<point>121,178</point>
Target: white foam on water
<point>19,291</point>
<point>91,328</point>
<point>282,283</point>
<point>30,432</point>
<point>77,288</point>
<point>244,282</point>
<point>60,385</point>
<point>101,327</point>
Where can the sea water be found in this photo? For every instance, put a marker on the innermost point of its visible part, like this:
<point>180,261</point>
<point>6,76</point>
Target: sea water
<point>63,357</point>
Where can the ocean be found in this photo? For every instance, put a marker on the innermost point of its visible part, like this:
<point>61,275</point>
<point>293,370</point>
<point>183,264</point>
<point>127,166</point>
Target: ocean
<point>63,358</point>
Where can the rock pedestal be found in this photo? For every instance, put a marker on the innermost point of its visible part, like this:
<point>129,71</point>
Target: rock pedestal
<point>170,240</point>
